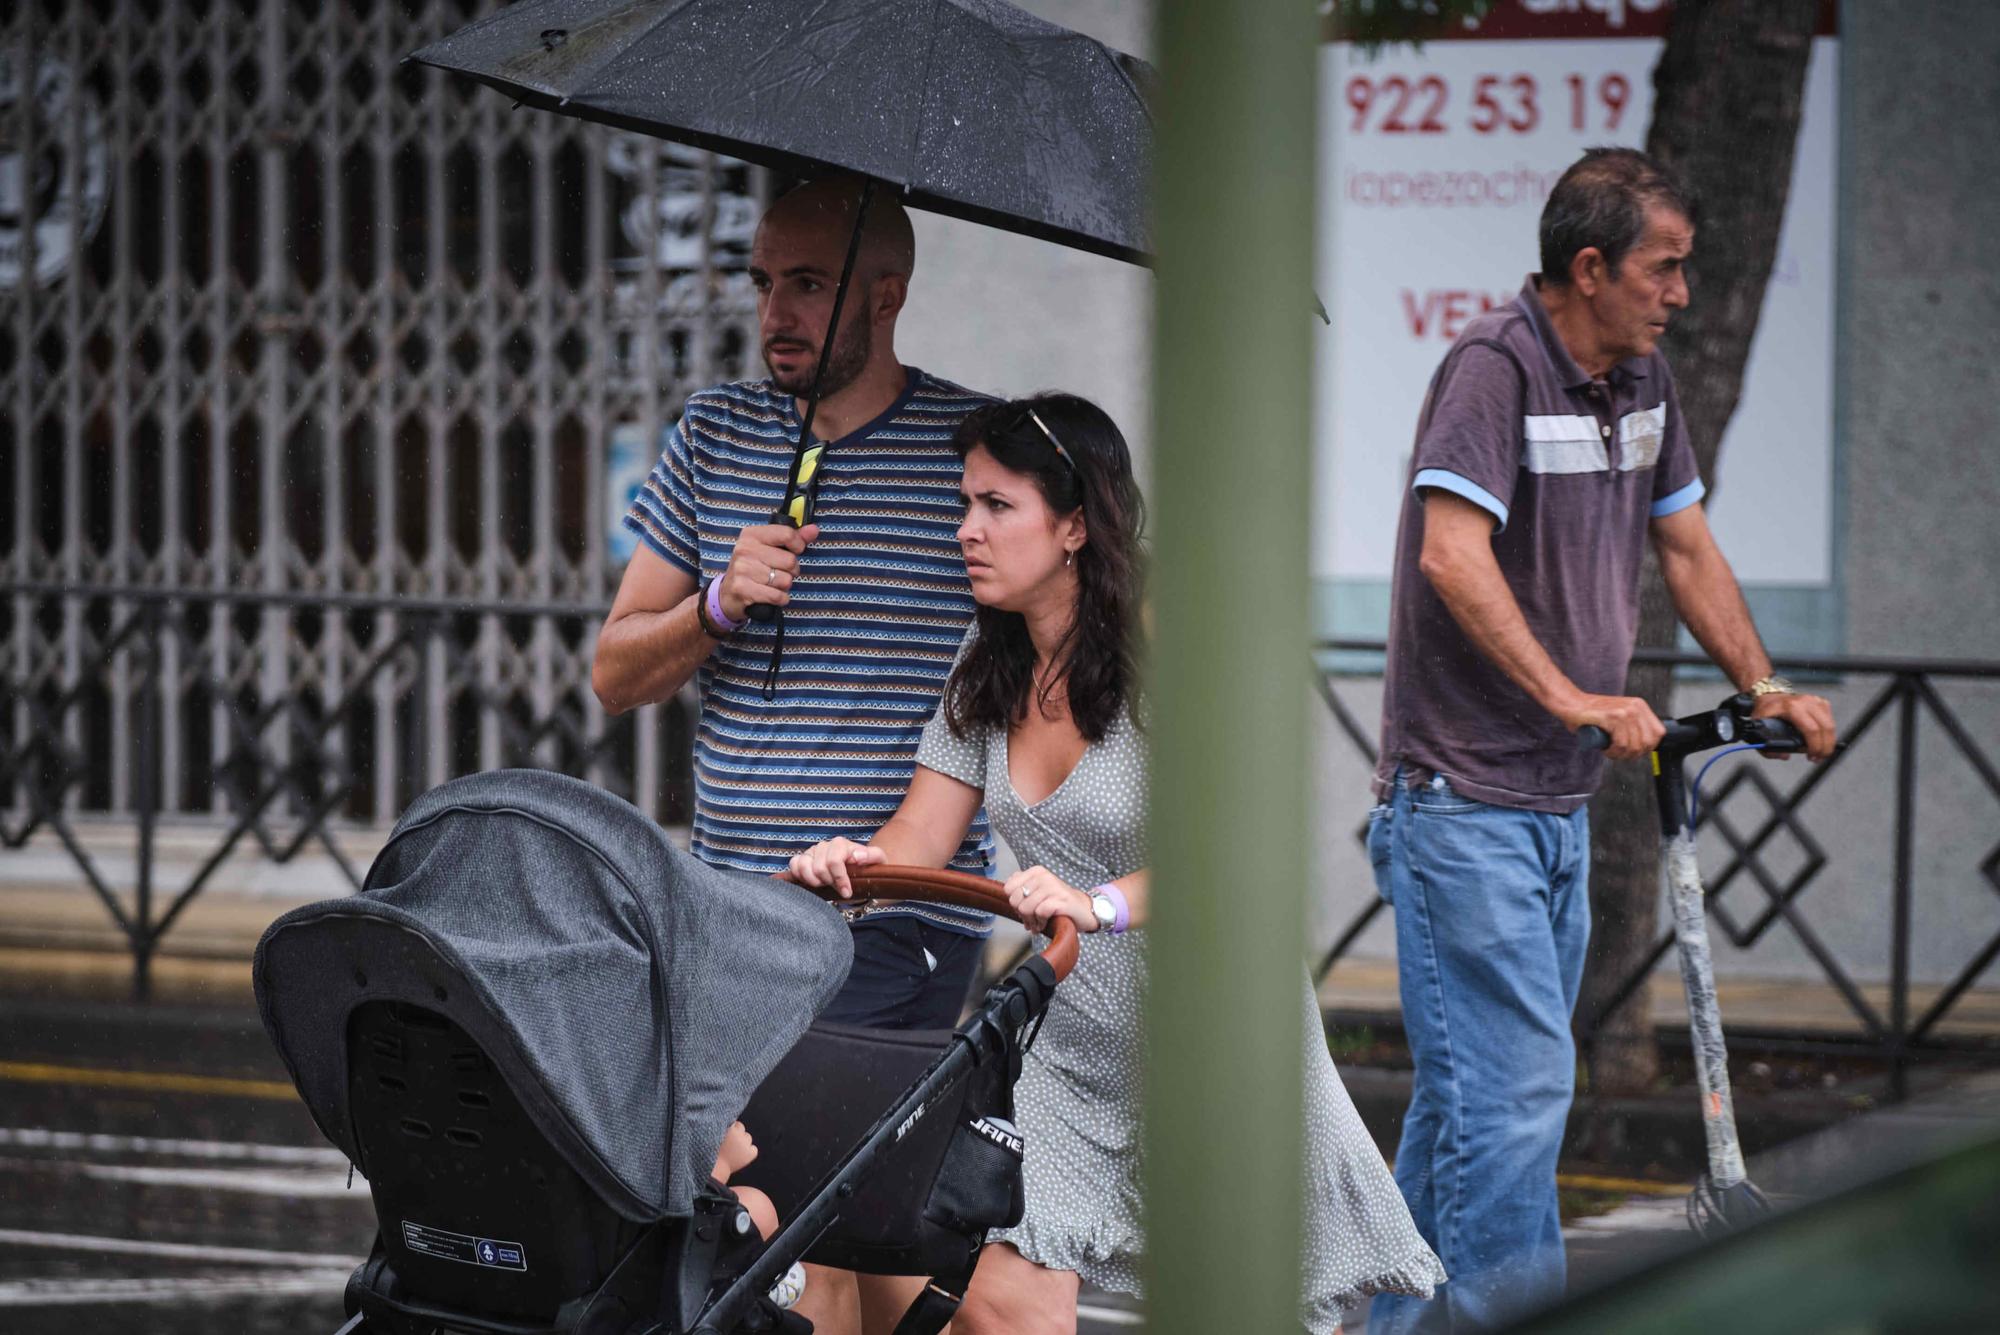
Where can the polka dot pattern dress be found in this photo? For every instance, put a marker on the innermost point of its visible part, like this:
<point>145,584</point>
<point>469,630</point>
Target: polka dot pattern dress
<point>1078,1099</point>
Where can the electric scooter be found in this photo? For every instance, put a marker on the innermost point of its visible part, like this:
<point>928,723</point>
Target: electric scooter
<point>1724,1198</point>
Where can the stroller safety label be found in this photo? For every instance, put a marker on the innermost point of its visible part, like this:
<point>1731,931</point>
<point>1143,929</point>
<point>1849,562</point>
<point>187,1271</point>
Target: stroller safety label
<point>464,1248</point>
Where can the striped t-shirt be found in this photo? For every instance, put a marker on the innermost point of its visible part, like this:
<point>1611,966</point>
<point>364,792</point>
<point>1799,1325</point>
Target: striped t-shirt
<point>876,615</point>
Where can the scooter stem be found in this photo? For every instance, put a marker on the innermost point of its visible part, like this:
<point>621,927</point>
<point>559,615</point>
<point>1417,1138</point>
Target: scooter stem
<point>1682,877</point>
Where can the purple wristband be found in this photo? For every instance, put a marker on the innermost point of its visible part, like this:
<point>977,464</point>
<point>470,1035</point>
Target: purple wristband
<point>1122,911</point>
<point>715,612</point>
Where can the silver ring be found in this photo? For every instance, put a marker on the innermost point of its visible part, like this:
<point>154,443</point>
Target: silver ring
<point>771,577</point>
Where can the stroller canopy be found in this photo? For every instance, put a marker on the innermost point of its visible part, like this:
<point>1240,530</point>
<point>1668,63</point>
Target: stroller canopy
<point>633,996</point>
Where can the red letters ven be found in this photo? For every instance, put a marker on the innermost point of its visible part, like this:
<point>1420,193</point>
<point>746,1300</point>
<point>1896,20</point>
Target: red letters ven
<point>1442,313</point>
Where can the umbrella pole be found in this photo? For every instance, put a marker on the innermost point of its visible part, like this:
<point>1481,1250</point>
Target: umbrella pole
<point>826,348</point>
<point>789,510</point>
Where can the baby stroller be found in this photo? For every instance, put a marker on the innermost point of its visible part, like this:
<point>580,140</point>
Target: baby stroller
<point>532,1029</point>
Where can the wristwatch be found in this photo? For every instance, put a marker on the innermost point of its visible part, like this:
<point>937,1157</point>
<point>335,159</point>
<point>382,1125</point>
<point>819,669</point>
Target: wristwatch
<point>1106,911</point>
<point>1772,685</point>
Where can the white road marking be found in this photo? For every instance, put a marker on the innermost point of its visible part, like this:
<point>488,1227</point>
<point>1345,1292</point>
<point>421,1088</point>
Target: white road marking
<point>37,1138</point>
<point>97,1292</point>
<point>180,1251</point>
<point>262,1182</point>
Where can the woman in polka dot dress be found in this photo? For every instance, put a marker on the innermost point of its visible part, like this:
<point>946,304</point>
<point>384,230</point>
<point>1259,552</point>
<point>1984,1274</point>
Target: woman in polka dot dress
<point>1037,722</point>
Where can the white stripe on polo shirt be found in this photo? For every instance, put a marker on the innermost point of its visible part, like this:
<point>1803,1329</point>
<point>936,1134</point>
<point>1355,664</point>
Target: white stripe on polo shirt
<point>1562,443</point>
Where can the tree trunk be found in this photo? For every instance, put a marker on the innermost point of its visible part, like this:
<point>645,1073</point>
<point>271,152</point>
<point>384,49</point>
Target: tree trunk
<point>1726,100</point>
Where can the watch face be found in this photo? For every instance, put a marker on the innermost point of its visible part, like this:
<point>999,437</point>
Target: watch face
<point>1107,912</point>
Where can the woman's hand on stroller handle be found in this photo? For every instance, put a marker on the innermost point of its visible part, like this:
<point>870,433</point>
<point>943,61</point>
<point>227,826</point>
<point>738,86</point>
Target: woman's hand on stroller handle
<point>1039,896</point>
<point>952,887</point>
<point>831,863</point>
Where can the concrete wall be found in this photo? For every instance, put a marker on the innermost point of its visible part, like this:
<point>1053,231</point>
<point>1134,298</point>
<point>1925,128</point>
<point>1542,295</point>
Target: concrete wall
<point>1919,303</point>
<point>1011,315</point>
<point>1919,312</point>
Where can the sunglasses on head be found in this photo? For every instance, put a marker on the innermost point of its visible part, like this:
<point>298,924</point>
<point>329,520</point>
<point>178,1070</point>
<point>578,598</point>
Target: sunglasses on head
<point>1051,436</point>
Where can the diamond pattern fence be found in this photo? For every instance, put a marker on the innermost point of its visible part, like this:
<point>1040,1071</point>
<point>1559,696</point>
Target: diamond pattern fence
<point>1770,850</point>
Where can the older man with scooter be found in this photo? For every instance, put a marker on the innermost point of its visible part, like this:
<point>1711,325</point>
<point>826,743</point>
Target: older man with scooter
<point>1550,447</point>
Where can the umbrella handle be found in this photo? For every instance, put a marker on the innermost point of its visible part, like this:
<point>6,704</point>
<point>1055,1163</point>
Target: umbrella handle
<point>874,884</point>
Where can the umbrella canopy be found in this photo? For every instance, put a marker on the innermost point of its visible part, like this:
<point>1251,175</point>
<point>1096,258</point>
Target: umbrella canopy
<point>971,108</point>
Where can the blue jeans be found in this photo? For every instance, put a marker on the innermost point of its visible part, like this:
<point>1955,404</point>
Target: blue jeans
<point>1492,920</point>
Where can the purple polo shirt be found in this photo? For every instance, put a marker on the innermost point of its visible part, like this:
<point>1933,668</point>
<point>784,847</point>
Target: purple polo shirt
<point>1572,470</point>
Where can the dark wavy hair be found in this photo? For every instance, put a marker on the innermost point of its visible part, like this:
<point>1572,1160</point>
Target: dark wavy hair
<point>1098,654</point>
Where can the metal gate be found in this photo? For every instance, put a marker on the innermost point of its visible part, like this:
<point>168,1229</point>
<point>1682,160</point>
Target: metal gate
<point>320,379</point>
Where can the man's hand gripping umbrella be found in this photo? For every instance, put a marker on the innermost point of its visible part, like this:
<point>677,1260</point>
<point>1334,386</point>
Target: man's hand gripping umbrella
<point>1724,1198</point>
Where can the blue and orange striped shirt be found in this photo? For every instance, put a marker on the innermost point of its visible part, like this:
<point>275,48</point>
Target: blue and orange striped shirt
<point>875,618</point>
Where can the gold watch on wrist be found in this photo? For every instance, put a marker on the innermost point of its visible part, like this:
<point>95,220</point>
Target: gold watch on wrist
<point>1771,685</point>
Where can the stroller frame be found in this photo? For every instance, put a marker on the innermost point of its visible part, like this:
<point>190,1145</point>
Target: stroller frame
<point>989,1034</point>
<point>708,1273</point>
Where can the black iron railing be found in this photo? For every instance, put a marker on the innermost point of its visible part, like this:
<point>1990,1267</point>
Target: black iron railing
<point>1908,691</point>
<point>303,765</point>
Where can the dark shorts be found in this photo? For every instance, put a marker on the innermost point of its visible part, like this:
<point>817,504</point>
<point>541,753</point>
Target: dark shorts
<point>907,974</point>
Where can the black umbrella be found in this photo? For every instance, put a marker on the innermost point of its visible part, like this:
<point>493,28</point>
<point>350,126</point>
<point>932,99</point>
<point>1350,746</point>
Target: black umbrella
<point>970,108</point>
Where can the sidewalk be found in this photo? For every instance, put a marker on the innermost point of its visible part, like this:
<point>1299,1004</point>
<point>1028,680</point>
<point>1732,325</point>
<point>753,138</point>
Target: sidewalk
<point>1800,1005</point>
<point>64,944</point>
<point>57,936</point>
<point>1644,1232</point>
<point>48,910</point>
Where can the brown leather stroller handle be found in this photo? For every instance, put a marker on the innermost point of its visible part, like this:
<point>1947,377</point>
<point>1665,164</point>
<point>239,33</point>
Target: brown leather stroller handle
<point>950,887</point>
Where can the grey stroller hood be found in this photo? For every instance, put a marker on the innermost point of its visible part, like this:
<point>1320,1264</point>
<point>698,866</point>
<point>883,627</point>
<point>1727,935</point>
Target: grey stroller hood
<point>632,996</point>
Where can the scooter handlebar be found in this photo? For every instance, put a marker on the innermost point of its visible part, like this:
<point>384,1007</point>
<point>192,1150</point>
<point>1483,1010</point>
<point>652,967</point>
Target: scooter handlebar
<point>1680,735</point>
<point>1773,734</point>
<point>1699,732</point>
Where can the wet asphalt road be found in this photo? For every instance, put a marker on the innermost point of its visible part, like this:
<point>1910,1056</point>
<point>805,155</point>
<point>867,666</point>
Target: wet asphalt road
<point>158,1175</point>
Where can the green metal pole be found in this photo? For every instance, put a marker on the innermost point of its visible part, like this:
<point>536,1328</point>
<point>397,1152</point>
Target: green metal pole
<point>1225,1005</point>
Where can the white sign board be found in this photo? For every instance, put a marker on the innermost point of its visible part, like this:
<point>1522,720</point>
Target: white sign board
<point>1435,165</point>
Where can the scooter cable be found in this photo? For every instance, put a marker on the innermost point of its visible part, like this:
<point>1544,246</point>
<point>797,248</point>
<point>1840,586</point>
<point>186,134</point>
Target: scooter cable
<point>1694,789</point>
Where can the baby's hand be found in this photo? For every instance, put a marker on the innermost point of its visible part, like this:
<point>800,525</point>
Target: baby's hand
<point>738,1151</point>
